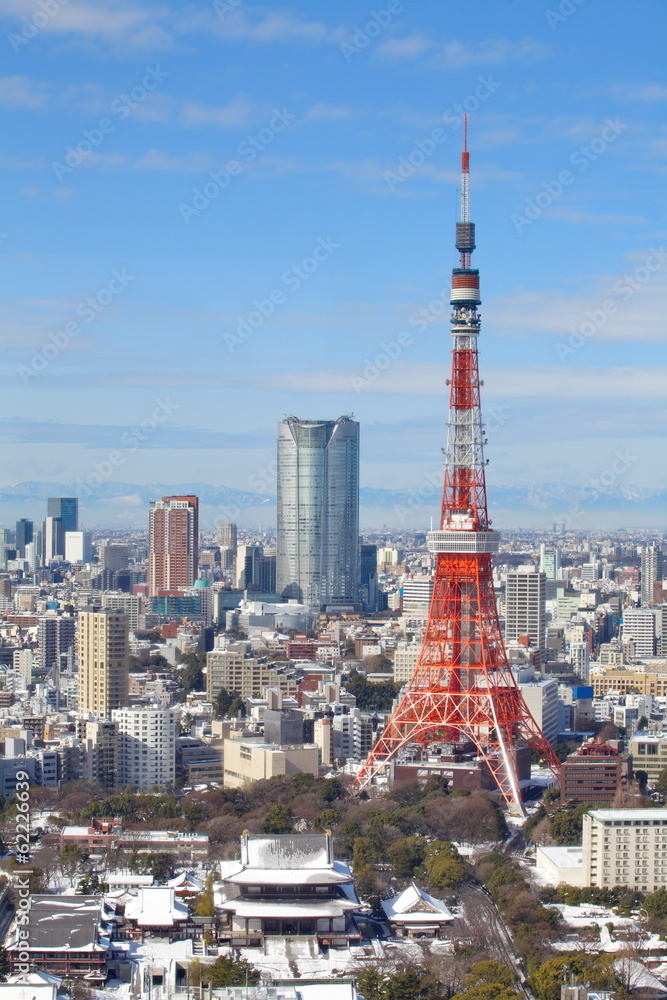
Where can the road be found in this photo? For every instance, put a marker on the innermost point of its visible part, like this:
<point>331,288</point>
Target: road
<point>481,915</point>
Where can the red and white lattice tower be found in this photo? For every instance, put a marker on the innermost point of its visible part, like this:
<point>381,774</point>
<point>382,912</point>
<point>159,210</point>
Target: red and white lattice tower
<point>462,688</point>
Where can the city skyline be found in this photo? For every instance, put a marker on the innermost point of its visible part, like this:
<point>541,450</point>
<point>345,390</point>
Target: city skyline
<point>331,237</point>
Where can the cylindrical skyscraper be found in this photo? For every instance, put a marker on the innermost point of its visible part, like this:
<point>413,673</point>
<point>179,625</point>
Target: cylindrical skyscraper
<point>318,511</point>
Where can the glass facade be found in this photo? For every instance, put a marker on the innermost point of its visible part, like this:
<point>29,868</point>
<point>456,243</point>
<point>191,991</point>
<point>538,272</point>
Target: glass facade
<point>66,508</point>
<point>318,511</point>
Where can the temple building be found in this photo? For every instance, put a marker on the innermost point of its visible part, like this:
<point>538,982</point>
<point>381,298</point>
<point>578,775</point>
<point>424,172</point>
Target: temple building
<point>290,886</point>
<point>415,914</point>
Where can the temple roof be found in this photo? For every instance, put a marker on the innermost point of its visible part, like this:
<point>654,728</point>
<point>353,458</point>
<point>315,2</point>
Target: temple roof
<point>235,872</point>
<point>414,906</point>
<point>280,908</point>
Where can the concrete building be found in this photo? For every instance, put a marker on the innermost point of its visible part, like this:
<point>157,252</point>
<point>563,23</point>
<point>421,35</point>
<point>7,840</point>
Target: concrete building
<point>98,751</point>
<point>406,655</point>
<point>525,606</point>
<point>638,624</point>
<point>417,596</point>
<point>579,656</point>
<point>246,676</point>
<point>78,546</point>
<point>541,697</point>
<point>56,637</point>
<point>318,511</point>
<point>173,544</point>
<point>593,773</point>
<point>103,655</point>
<point>146,747</point>
<point>254,760</point>
<point>129,605</point>
<point>625,847</point>
<point>649,753</point>
<point>53,539</point>
<point>652,571</point>
<point>114,557</point>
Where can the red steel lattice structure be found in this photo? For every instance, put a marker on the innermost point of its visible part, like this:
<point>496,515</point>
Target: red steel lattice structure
<point>462,687</point>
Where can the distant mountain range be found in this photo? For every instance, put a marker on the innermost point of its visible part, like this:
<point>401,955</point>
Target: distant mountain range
<point>113,504</point>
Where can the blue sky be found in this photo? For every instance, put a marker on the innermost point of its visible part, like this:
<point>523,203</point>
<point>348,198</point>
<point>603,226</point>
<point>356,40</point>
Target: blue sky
<point>292,123</point>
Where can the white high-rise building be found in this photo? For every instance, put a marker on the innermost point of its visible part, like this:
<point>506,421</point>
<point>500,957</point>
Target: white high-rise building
<point>78,546</point>
<point>146,748</point>
<point>541,697</point>
<point>318,511</point>
<point>417,596</point>
<point>127,604</point>
<point>406,655</point>
<point>580,659</point>
<point>525,606</point>
<point>639,625</point>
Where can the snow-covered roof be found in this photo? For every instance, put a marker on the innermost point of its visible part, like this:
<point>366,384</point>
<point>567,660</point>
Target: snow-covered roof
<point>234,872</point>
<point>629,814</point>
<point>638,975</point>
<point>287,851</point>
<point>156,908</point>
<point>413,905</point>
<point>304,908</point>
<point>564,857</point>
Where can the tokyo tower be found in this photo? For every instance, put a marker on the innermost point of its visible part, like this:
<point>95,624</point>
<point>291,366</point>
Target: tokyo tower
<point>463,688</point>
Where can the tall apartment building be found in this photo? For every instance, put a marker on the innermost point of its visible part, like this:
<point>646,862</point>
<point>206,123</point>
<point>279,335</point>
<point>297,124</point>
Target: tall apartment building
<point>525,606</point>
<point>146,754</point>
<point>173,544</point>
<point>652,571</point>
<point>625,847</point>
<point>56,635</point>
<point>227,536</point>
<point>639,625</point>
<point>104,660</point>
<point>579,656</point>
<point>318,511</point>
<point>98,751</point>
<point>127,604</point>
<point>541,697</point>
<point>67,509</point>
<point>231,670</point>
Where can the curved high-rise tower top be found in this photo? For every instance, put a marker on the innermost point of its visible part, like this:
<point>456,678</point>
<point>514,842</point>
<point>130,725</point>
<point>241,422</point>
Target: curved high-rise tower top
<point>463,690</point>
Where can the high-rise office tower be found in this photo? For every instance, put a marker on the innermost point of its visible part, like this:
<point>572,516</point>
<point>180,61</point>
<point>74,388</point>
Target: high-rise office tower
<point>173,544</point>
<point>247,565</point>
<point>318,511</point>
<point>550,561</point>
<point>54,539</point>
<point>652,570</point>
<point>525,606</point>
<point>78,546</point>
<point>66,508</point>
<point>114,557</point>
<point>368,576</point>
<point>24,533</point>
<point>104,662</point>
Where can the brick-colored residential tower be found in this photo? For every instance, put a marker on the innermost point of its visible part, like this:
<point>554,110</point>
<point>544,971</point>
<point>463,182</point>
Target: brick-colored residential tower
<point>173,544</point>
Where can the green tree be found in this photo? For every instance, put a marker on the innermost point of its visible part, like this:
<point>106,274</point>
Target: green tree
<point>278,819</point>
<point>655,904</point>
<point>225,971</point>
<point>406,855</point>
<point>205,903</point>
<point>237,708</point>
<point>661,782</point>
<point>71,859</point>
<point>596,970</point>
<point>365,852</point>
<point>567,823</point>
<point>443,865</point>
<point>490,972</point>
<point>487,991</point>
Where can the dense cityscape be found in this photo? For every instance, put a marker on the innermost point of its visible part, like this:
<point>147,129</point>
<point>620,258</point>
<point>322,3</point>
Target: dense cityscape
<point>275,722</point>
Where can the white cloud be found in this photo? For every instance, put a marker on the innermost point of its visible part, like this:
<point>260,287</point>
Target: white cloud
<point>406,48</point>
<point>22,92</point>
<point>234,113</point>
<point>458,55</point>
<point>258,24</point>
<point>157,159</point>
<point>327,112</point>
